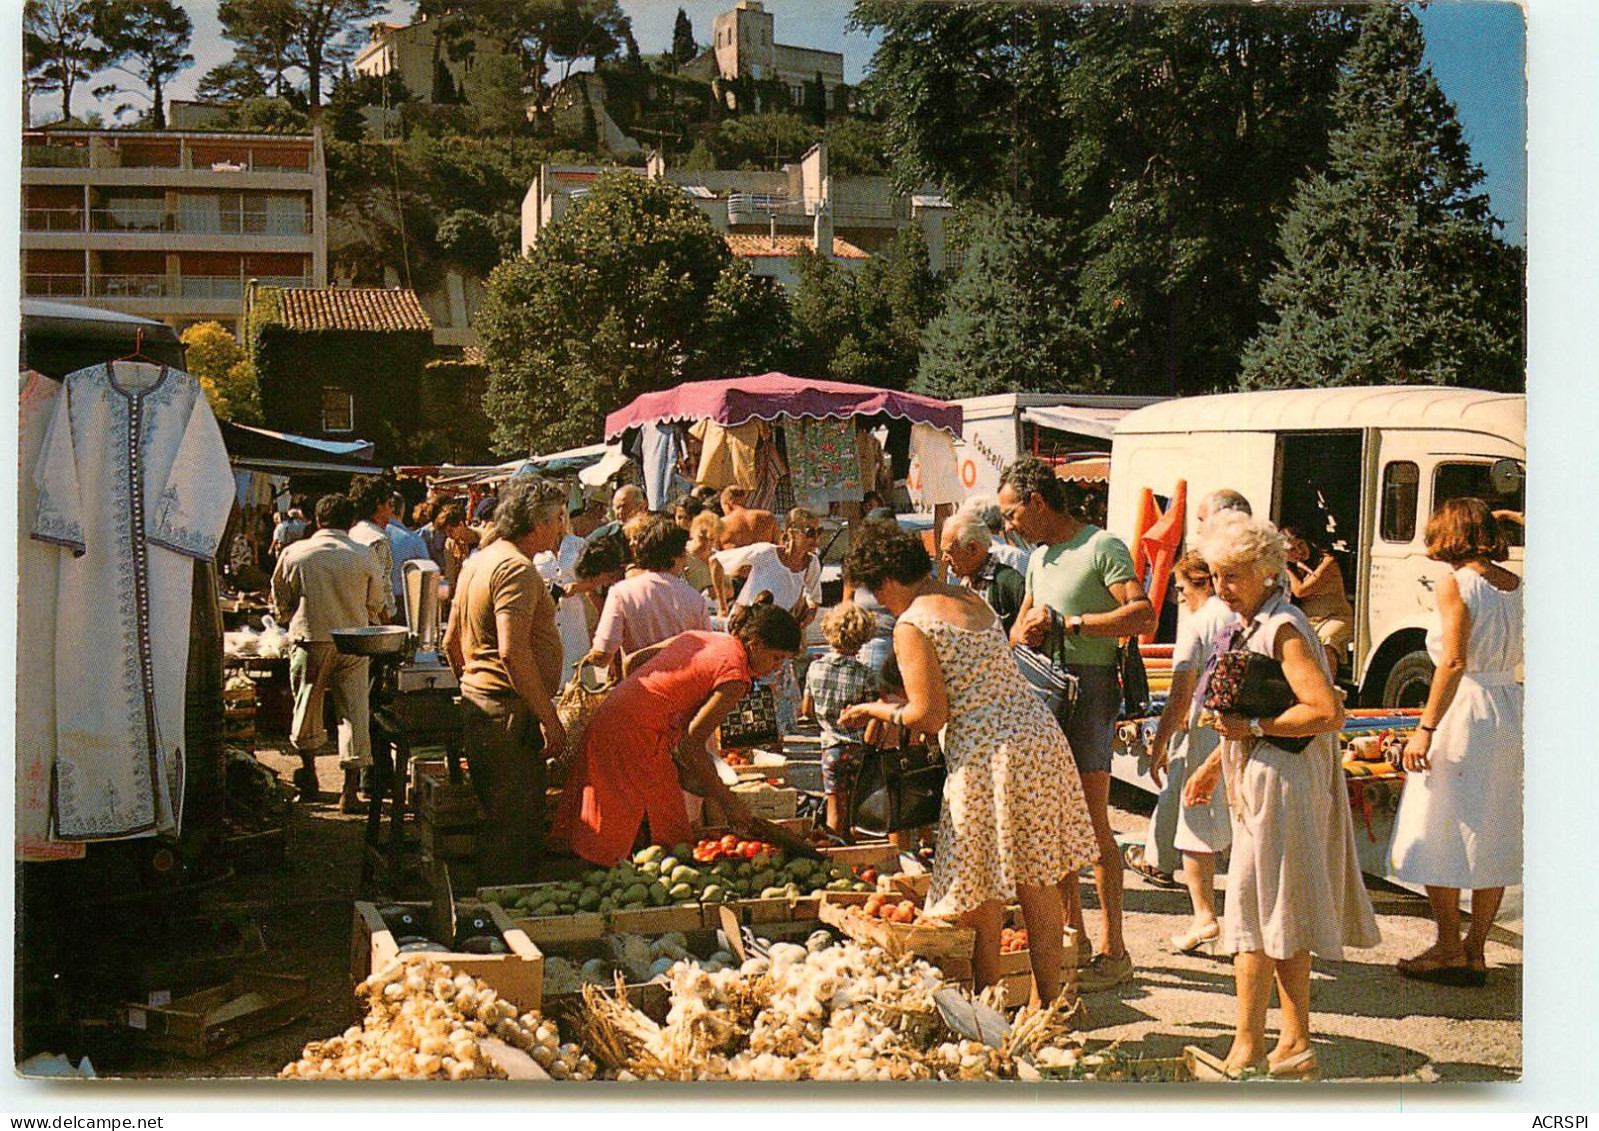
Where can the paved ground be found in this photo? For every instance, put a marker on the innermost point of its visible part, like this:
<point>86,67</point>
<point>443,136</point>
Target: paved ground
<point>1368,1023</point>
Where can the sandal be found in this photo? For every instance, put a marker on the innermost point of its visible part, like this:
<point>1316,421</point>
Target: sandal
<point>1133,858</point>
<point>1426,968</point>
<point>1193,940</point>
<point>1202,1066</point>
<point>1301,1066</point>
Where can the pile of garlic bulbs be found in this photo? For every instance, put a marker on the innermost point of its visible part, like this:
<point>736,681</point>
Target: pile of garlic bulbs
<point>425,1022</point>
<point>843,1012</point>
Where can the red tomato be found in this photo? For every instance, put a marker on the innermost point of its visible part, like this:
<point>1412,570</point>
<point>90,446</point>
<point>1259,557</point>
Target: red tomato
<point>729,841</point>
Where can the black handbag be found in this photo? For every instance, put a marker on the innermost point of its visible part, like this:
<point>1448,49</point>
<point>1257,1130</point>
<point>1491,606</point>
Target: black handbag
<point>1135,680</point>
<point>752,721</point>
<point>898,788</point>
<point>1054,685</point>
<point>1241,682</point>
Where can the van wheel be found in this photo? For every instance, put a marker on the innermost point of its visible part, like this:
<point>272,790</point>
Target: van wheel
<point>1408,681</point>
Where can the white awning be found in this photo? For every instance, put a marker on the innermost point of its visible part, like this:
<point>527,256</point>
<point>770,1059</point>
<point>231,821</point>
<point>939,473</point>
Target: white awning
<point>599,474</point>
<point>1097,423</point>
<point>361,449</point>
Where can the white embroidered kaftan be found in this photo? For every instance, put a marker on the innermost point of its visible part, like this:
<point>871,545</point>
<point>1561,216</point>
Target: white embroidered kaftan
<point>37,567</point>
<point>134,485</point>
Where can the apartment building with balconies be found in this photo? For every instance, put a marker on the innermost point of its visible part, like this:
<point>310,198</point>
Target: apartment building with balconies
<point>767,216</point>
<point>170,225</point>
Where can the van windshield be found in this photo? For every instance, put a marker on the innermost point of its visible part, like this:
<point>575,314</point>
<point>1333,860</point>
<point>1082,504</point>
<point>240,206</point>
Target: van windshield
<point>1471,481</point>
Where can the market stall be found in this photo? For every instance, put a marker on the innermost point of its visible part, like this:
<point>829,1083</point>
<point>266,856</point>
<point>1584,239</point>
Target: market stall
<point>791,441</point>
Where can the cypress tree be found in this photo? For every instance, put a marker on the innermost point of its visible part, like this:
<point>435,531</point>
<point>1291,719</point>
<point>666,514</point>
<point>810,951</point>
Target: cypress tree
<point>1393,271</point>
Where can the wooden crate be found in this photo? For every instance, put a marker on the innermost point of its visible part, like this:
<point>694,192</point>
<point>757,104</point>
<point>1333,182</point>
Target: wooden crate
<point>547,930</point>
<point>769,801</point>
<point>440,801</point>
<point>203,1024</point>
<point>444,844</point>
<point>1016,968</point>
<point>934,942</point>
<point>518,976</point>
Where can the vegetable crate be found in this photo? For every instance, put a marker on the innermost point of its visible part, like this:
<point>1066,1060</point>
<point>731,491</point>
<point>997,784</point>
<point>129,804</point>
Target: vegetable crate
<point>775,803</point>
<point>936,941</point>
<point>517,976</point>
<point>439,800</point>
<point>203,1024</point>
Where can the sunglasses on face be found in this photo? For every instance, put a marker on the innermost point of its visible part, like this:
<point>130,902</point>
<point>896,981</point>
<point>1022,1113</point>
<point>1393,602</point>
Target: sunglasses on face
<point>810,531</point>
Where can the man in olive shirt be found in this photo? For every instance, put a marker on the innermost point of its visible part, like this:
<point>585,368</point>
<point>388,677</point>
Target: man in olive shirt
<point>1081,578</point>
<point>503,641</point>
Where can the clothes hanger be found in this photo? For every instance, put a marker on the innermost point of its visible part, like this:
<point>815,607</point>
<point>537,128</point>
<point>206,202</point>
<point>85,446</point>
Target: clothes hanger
<point>138,353</point>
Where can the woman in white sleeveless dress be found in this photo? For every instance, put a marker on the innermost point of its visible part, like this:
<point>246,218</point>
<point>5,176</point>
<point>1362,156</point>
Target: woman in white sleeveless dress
<point>1013,819</point>
<point>1459,822</point>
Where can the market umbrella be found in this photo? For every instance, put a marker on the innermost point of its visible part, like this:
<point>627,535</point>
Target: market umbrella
<point>733,401</point>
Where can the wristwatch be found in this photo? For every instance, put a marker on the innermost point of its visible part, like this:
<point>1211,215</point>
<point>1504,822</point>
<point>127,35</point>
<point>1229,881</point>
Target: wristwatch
<point>1254,728</point>
<point>1074,624</point>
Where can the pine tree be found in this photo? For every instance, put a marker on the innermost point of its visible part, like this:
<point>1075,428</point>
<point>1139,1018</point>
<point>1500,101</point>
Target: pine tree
<point>1393,271</point>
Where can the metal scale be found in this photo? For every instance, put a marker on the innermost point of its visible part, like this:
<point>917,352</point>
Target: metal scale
<point>413,698</point>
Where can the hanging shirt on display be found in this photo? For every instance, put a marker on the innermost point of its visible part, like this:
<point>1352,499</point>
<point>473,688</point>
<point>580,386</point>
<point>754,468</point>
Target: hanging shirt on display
<point>133,486</point>
<point>934,450</point>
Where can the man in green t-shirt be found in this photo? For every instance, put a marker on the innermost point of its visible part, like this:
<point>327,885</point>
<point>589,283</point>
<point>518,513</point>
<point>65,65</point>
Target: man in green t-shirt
<point>1083,578</point>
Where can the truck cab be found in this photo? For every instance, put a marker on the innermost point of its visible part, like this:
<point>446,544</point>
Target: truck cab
<point>1358,468</point>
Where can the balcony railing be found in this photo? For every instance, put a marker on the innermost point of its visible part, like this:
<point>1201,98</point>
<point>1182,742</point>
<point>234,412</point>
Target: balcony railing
<point>763,204</point>
<point>52,219</point>
<point>245,159</point>
<point>53,286</point>
<point>213,288</point>
<point>56,156</point>
<point>251,223</point>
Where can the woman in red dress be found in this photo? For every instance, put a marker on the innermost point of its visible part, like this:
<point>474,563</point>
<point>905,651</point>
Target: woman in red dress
<point>675,695</point>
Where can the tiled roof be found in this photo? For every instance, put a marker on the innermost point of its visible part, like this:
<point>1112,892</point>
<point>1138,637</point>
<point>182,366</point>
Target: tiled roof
<point>374,309</point>
<point>747,246</point>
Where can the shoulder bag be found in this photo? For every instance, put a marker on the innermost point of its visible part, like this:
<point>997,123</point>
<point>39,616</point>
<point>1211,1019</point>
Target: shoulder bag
<point>898,787</point>
<point>576,706</point>
<point>1041,667</point>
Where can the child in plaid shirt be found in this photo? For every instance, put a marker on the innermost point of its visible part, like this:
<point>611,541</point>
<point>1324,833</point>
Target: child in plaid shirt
<point>833,682</point>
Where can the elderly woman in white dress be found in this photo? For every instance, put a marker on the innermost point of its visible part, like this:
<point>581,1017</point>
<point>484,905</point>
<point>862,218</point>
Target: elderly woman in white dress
<point>1459,822</point>
<point>1293,887</point>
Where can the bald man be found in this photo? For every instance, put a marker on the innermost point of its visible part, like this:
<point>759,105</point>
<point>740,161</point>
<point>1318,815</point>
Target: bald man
<point>742,525</point>
<point>1225,499</point>
<point>628,503</point>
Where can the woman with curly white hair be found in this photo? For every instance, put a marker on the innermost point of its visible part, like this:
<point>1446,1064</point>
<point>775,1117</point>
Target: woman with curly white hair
<point>1293,887</point>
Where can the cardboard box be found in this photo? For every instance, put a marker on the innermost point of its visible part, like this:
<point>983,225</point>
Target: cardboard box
<point>203,1024</point>
<point>517,976</point>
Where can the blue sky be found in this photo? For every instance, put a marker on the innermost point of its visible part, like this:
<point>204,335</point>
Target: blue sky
<point>1477,49</point>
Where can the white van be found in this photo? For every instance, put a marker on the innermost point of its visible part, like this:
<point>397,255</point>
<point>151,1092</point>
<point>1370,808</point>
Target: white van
<point>997,430</point>
<point>1361,469</point>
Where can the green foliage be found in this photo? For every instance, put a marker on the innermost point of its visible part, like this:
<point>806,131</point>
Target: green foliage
<point>219,363</point>
<point>683,46</point>
<point>147,39</point>
<point>1167,138</point>
<point>495,101</point>
<point>747,324</point>
<point>233,81</point>
<point>621,296</point>
<point>864,326</point>
<point>1392,271</point>
<point>59,50</point>
<point>343,117</point>
<point>1007,324</point>
<point>469,238</point>
<point>761,141</point>
<point>856,147</point>
<point>265,115</point>
<point>263,35</point>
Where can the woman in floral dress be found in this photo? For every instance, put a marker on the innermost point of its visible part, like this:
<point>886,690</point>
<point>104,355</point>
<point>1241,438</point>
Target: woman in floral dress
<point>1013,822</point>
